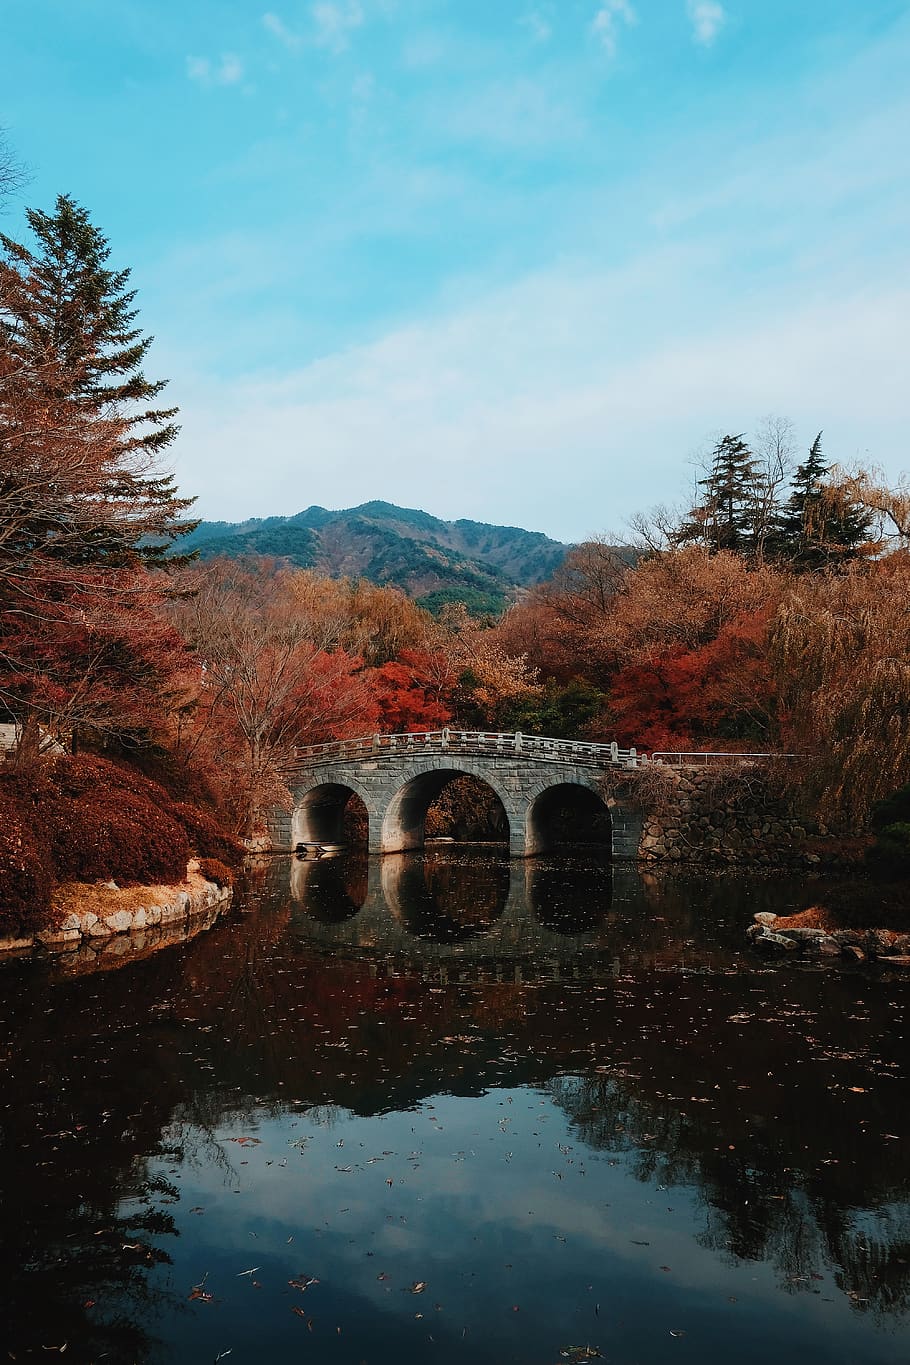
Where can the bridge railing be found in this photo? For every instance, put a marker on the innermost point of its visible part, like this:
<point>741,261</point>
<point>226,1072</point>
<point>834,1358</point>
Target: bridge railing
<point>492,743</point>
<point>485,742</point>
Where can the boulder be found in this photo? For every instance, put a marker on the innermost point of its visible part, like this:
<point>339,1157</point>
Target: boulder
<point>882,942</point>
<point>776,943</point>
<point>119,921</point>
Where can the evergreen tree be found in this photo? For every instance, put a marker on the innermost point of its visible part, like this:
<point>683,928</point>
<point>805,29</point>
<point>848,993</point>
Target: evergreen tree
<point>820,524</point>
<point>726,518</point>
<point>69,319</point>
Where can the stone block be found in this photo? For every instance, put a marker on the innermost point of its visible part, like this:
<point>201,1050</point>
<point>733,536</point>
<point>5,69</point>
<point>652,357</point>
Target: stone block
<point>119,921</point>
<point>13,944</point>
<point>56,938</point>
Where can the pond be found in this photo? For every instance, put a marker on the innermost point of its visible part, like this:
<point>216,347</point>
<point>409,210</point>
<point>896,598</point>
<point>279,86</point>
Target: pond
<point>439,1107</point>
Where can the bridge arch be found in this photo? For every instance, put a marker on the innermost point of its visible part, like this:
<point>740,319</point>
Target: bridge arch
<point>405,815</point>
<point>551,806</point>
<point>319,807</point>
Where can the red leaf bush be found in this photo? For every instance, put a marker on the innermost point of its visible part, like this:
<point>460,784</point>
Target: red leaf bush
<point>25,877</point>
<point>215,871</point>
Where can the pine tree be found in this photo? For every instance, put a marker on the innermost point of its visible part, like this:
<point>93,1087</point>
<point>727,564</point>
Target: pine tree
<point>726,518</point>
<point>820,525</point>
<point>69,319</point>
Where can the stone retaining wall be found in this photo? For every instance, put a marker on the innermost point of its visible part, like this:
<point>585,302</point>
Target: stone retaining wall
<point>720,817</point>
<point>116,935</point>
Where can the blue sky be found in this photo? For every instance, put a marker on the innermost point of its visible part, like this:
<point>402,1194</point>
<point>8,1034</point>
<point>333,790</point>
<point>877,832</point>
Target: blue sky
<point>512,260</point>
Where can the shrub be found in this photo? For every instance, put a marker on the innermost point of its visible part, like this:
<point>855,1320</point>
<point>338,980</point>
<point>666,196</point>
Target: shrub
<point>206,837</point>
<point>116,834</point>
<point>216,872</point>
<point>889,855</point>
<point>25,878</point>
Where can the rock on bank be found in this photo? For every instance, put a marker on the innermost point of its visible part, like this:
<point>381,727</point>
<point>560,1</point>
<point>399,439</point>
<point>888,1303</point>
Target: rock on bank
<point>106,923</point>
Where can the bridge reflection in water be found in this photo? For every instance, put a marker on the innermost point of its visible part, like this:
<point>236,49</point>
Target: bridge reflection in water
<point>465,912</point>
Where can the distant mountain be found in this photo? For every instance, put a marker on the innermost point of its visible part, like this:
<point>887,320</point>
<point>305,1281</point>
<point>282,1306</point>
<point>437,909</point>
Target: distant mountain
<point>433,561</point>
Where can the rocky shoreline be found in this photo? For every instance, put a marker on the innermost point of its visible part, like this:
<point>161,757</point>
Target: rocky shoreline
<point>780,935</point>
<point>106,926</point>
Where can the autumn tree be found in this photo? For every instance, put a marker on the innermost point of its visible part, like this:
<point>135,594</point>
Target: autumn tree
<point>822,523</point>
<point>491,682</point>
<point>84,510</point>
<point>414,692</point>
<point>685,646</point>
<point>886,502</point>
<point>264,687</point>
<point>840,648</point>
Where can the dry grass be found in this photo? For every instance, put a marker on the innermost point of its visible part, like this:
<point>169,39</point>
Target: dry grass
<point>78,897</point>
<point>816,917</point>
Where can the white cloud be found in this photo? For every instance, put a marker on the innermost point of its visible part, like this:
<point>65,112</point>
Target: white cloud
<point>535,407</point>
<point>334,21</point>
<point>707,18</point>
<point>538,25</point>
<point>608,21</point>
<point>228,70</point>
<point>279,29</point>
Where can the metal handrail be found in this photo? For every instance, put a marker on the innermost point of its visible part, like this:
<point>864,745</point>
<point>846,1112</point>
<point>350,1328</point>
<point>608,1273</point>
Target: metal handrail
<point>704,758</point>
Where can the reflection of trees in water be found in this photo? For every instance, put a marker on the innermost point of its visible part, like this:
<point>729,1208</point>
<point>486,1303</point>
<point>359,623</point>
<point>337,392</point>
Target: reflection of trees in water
<point>82,1222</point>
<point>450,900</point>
<point>565,898</point>
<point>165,1057</point>
<point>331,890</point>
<point>764,1198</point>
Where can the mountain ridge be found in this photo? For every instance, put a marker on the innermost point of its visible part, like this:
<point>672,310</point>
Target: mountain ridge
<point>433,560</point>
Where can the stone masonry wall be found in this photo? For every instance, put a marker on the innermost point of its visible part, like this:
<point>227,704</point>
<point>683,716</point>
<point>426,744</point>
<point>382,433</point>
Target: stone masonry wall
<point>719,817</point>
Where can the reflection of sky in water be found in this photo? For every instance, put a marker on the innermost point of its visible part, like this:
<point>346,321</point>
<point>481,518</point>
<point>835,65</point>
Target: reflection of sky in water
<point>497,1207</point>
<point>597,1109</point>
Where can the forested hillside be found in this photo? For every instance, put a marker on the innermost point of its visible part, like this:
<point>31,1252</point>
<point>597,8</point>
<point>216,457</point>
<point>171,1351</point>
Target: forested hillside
<point>432,560</point>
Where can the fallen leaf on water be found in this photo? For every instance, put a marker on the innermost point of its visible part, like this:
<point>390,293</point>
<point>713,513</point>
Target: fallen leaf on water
<point>418,1286</point>
<point>677,1332</point>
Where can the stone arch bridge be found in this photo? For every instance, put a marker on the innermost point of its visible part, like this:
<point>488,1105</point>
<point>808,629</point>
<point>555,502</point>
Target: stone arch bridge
<point>397,777</point>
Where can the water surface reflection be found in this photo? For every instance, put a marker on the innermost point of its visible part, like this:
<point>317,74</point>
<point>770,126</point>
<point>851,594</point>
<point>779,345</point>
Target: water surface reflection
<point>560,1096</point>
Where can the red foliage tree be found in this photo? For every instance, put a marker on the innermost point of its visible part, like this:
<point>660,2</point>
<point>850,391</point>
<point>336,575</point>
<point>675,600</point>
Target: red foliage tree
<point>413,693</point>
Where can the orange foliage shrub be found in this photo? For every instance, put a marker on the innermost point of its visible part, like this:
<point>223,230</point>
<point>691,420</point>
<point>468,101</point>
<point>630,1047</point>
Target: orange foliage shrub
<point>116,834</point>
<point>215,871</point>
<point>206,837</point>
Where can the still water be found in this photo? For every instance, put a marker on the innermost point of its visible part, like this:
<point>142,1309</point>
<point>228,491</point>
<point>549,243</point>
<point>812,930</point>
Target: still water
<point>440,1108</point>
